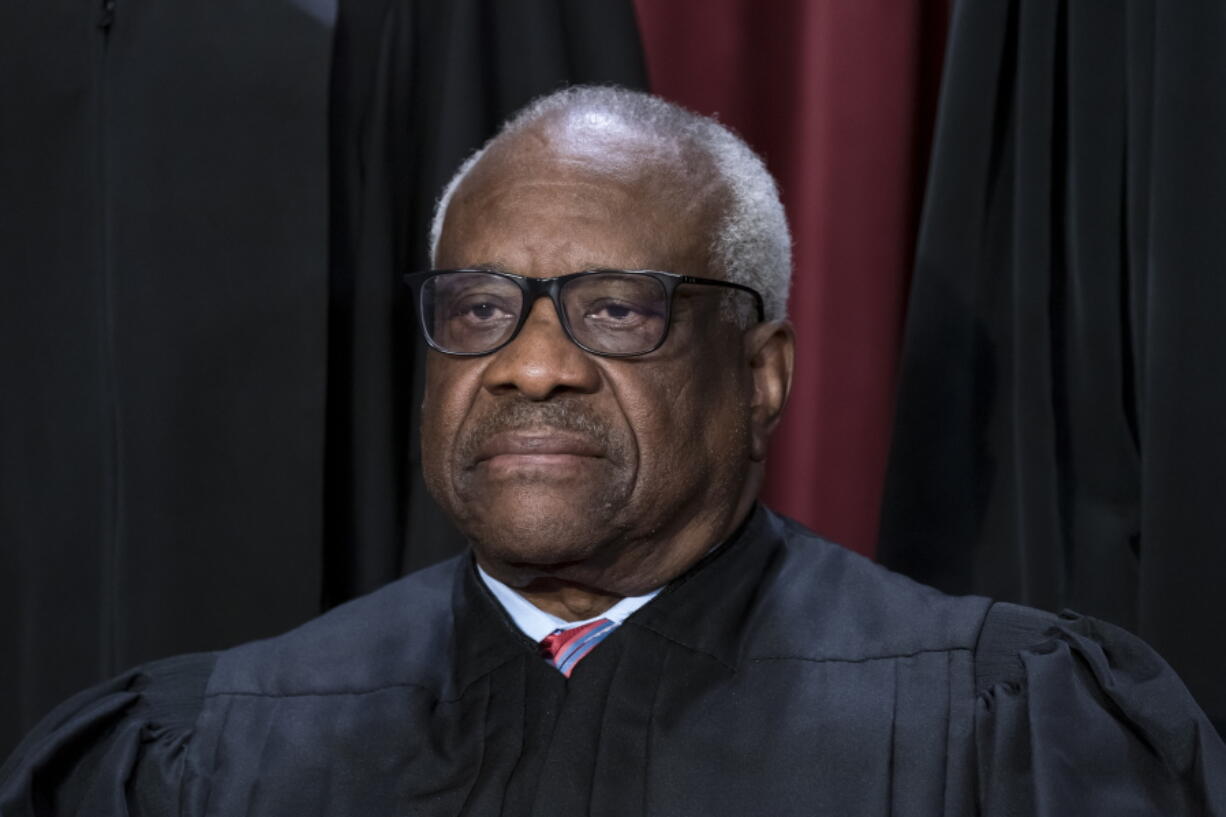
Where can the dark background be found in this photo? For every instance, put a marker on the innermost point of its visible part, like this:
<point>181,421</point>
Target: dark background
<point>1009,270</point>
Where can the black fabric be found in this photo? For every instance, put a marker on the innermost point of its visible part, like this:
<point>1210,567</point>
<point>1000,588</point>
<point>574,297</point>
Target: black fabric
<point>1007,630</point>
<point>163,246</point>
<point>1059,437</point>
<point>782,675</point>
<point>207,422</point>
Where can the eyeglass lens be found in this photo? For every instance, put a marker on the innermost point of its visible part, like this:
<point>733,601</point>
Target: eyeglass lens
<point>607,312</point>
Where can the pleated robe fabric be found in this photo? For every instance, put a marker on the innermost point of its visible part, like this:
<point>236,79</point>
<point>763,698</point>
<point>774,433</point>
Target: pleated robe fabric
<point>207,426</point>
<point>1059,437</point>
<point>780,676</point>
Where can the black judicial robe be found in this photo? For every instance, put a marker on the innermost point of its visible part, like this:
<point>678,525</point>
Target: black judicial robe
<point>780,676</point>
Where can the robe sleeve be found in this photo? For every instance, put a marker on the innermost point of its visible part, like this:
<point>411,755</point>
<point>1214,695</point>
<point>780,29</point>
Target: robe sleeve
<point>1078,717</point>
<point>116,749</point>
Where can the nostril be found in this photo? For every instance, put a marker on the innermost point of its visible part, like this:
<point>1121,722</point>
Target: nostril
<point>540,363</point>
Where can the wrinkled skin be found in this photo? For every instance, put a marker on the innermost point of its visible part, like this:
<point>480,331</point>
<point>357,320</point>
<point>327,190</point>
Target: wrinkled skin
<point>581,479</point>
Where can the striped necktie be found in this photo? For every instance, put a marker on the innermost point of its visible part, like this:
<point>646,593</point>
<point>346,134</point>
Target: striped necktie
<point>566,648</point>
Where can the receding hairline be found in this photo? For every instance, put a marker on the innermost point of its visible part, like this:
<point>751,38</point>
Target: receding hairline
<point>749,241</point>
<point>676,171</point>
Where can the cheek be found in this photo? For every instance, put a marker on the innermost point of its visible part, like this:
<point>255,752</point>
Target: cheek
<point>685,421</point>
<point>450,390</point>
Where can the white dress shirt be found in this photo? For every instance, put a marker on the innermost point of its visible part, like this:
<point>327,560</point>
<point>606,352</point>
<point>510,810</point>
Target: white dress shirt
<point>537,624</point>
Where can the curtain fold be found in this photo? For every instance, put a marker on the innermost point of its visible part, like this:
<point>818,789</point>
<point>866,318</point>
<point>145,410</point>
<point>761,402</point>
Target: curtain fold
<point>1058,438</point>
<point>164,257</point>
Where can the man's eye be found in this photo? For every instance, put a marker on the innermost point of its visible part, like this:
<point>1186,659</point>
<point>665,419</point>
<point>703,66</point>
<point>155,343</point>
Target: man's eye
<point>616,313</point>
<point>480,311</point>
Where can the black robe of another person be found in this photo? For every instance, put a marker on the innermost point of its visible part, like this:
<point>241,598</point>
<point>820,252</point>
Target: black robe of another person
<point>780,676</point>
<point>1058,436</point>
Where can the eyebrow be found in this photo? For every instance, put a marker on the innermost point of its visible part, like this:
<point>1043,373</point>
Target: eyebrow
<point>498,266</point>
<point>490,266</point>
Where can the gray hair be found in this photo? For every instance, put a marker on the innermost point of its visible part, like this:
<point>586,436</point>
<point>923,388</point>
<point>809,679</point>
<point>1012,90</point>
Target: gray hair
<point>751,244</point>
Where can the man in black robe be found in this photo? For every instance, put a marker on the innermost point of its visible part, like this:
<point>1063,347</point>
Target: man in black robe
<point>631,633</point>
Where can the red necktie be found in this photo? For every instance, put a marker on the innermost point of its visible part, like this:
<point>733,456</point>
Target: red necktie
<point>566,648</point>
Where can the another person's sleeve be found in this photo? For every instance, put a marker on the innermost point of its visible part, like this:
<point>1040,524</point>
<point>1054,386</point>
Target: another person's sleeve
<point>1078,717</point>
<point>116,749</point>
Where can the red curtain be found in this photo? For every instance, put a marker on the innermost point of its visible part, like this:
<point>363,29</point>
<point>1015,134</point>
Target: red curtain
<point>838,96</point>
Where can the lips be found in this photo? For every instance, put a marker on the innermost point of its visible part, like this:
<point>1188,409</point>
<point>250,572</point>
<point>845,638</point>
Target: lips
<point>536,443</point>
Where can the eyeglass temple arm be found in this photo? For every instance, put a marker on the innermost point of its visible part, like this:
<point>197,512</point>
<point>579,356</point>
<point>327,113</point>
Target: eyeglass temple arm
<point>757,296</point>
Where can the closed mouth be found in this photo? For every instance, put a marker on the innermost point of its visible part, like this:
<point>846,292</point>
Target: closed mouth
<point>537,445</point>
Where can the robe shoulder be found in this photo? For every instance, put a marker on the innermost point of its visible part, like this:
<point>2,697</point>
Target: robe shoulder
<point>123,746</point>
<point>122,740</point>
<point>820,601</point>
<point>1078,716</point>
<point>1071,715</point>
<point>398,635</point>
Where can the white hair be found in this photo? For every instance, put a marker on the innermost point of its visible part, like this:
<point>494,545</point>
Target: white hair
<point>751,244</point>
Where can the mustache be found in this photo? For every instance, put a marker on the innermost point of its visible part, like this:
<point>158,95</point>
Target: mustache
<point>565,415</point>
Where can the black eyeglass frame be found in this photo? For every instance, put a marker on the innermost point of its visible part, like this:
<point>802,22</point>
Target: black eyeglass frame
<point>534,288</point>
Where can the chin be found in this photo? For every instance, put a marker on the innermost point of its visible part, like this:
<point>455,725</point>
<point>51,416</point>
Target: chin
<point>540,528</point>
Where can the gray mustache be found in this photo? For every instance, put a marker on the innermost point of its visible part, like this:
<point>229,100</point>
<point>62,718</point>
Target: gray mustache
<point>564,415</point>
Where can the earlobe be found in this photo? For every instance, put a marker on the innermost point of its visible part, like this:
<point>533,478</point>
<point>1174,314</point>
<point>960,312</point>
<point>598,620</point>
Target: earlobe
<point>769,350</point>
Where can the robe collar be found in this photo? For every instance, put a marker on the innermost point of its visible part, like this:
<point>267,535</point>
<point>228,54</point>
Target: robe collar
<point>706,609</point>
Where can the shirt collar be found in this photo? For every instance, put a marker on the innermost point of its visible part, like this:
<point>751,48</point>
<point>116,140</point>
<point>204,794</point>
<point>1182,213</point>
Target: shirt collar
<point>536,623</point>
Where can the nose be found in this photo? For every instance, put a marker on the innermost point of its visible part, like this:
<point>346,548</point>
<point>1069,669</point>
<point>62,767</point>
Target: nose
<point>541,361</point>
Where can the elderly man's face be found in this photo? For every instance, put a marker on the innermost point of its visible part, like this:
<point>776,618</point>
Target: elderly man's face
<point>557,462</point>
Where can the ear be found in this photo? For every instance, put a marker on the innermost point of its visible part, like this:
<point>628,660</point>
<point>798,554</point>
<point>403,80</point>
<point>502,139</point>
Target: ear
<point>769,350</point>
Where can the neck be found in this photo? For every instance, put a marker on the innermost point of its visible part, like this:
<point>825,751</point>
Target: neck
<point>569,602</point>
<point>582,591</point>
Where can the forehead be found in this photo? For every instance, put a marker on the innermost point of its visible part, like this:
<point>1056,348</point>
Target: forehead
<point>559,199</point>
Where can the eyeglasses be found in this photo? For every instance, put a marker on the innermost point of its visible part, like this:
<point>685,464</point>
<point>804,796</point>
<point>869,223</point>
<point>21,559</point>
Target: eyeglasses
<point>613,313</point>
